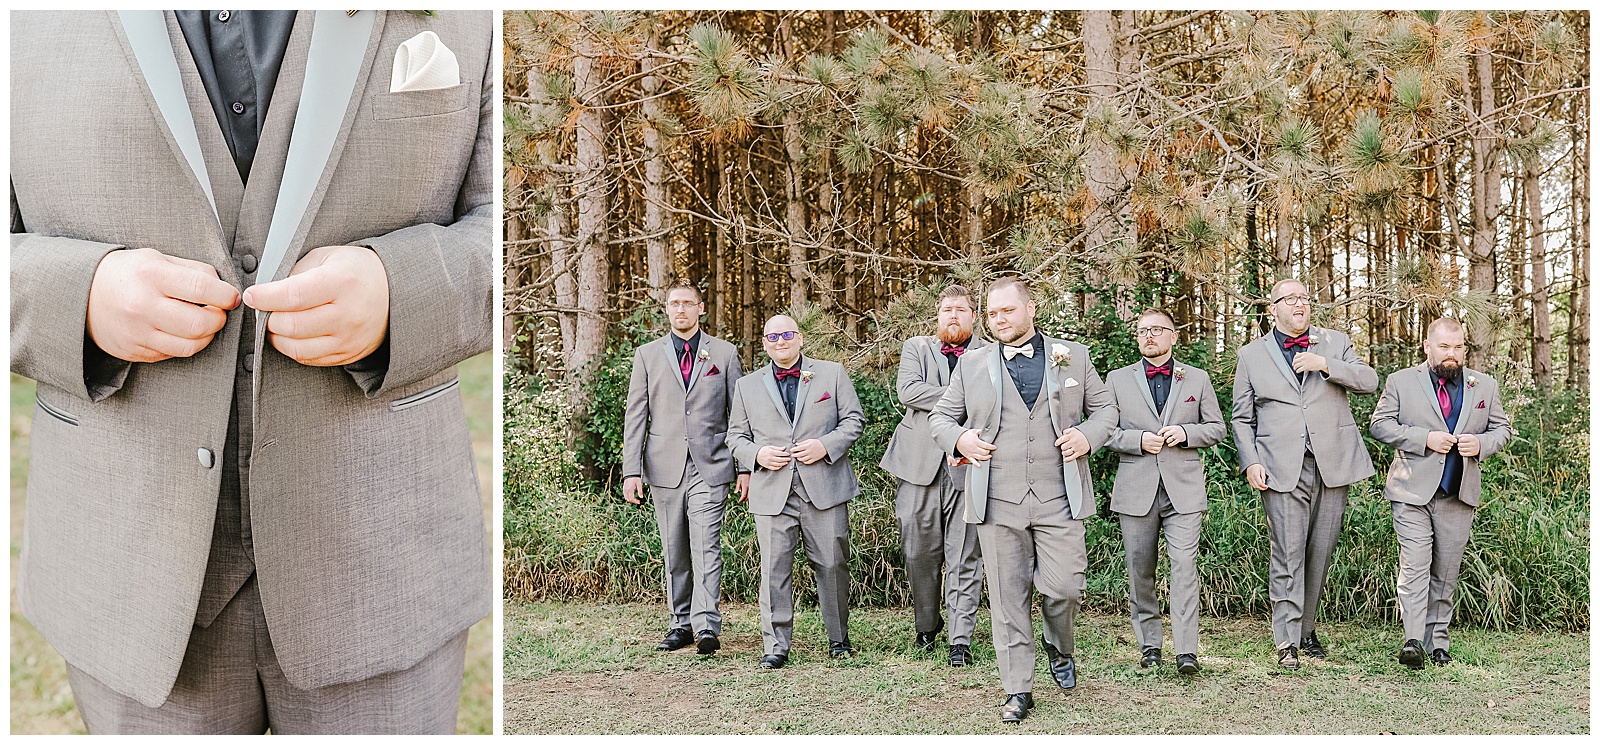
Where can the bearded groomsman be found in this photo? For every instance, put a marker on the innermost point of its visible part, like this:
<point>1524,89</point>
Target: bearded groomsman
<point>1443,420</point>
<point>792,423</point>
<point>1027,413</point>
<point>673,438</point>
<point>1168,412</point>
<point>1299,444</point>
<point>927,503</point>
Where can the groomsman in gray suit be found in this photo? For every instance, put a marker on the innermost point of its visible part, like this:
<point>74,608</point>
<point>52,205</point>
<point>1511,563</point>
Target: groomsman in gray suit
<point>1168,412</point>
<point>1026,413</point>
<point>927,504</point>
<point>792,425</point>
<point>1443,420</point>
<point>1299,444</point>
<point>673,438</point>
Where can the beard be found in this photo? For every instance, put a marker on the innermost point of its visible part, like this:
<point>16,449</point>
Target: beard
<point>958,336</point>
<point>1016,334</point>
<point>1446,372</point>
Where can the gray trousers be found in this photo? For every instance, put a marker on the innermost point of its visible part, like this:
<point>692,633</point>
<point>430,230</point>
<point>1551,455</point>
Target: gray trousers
<point>942,556</point>
<point>1139,536</point>
<point>690,519</point>
<point>1432,537</point>
<point>1027,545</point>
<point>1303,527</point>
<point>230,683</point>
<point>827,543</point>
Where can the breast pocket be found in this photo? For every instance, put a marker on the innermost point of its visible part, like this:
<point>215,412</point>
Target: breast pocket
<point>413,104</point>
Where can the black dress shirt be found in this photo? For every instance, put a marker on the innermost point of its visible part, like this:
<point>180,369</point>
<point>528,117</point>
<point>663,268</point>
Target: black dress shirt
<point>1288,352</point>
<point>788,387</point>
<point>952,358</point>
<point>238,53</point>
<point>1160,385</point>
<point>692,345</point>
<point>1028,372</point>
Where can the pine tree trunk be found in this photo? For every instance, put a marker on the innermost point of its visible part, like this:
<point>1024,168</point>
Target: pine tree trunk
<point>593,292</point>
<point>658,258</point>
<point>1485,203</point>
<point>1105,177</point>
<point>1578,323</point>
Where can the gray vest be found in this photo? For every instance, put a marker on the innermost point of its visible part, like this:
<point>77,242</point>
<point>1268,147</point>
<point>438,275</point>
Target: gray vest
<point>1026,458</point>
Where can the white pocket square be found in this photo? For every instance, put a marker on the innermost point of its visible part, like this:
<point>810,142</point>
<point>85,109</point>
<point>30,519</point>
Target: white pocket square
<point>1070,382</point>
<point>424,63</point>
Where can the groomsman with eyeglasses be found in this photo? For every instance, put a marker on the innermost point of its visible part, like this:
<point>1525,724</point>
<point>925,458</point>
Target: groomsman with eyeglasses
<point>1300,446</point>
<point>673,438</point>
<point>792,424</point>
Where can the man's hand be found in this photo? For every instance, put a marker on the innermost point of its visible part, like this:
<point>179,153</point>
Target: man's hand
<point>1073,445</point>
<point>1257,476</point>
<point>742,485</point>
<point>810,451</point>
<point>973,446</point>
<point>632,489</point>
<point>146,306</point>
<point>1469,445</point>
<point>1441,442</point>
<point>1308,362</point>
<point>772,458</point>
<point>1173,435</point>
<point>333,309</point>
<point>1151,442</point>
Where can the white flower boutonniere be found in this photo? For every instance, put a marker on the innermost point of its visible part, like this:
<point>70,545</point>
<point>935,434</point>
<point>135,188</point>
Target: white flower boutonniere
<point>1060,355</point>
<point>1312,338</point>
<point>1177,372</point>
<point>1471,381</point>
<point>806,376</point>
<point>704,355</point>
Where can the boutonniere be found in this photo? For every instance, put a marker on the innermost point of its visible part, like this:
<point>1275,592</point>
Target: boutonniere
<point>1060,355</point>
<point>825,396</point>
<point>1177,372</point>
<point>806,376</point>
<point>704,355</point>
<point>1471,381</point>
<point>1312,338</point>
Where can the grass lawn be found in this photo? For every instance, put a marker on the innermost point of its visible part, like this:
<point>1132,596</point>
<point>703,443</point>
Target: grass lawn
<point>590,668</point>
<point>41,701</point>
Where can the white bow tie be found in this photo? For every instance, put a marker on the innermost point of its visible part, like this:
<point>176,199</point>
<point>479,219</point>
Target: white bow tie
<point>1025,350</point>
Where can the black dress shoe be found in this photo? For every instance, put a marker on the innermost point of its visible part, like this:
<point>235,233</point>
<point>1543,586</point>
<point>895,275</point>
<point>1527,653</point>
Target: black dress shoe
<point>1412,656</point>
<point>1312,646</point>
<point>1152,657</point>
<point>840,650</point>
<point>960,655</point>
<point>677,638</point>
<point>1289,658</point>
<point>773,661</point>
<point>1442,657</point>
<point>1065,674</point>
<point>926,640</point>
<point>1050,650</point>
<point>1187,664</point>
<point>1016,707</point>
<point>708,643</point>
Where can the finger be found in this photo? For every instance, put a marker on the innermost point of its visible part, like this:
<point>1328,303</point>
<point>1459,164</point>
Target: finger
<point>196,285</point>
<point>327,319</point>
<point>320,351</point>
<point>186,320</point>
<point>169,346</point>
<point>299,292</point>
<point>986,446</point>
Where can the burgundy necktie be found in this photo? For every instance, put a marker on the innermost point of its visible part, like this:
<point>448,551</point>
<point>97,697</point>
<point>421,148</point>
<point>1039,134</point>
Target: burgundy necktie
<point>1150,372</point>
<point>945,348</point>
<point>791,373</point>
<point>1302,341</point>
<point>686,363</point>
<point>1444,400</point>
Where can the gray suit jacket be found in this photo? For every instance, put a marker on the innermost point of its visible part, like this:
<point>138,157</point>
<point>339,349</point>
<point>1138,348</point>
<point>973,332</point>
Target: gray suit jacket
<point>912,455</point>
<point>1080,400</point>
<point>1409,410</point>
<point>370,548</point>
<point>1191,404</point>
<point>1273,411</point>
<point>667,422</point>
<point>826,409</point>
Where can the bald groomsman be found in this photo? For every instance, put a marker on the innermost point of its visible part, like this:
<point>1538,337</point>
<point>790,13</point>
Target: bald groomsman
<point>673,439</point>
<point>1299,445</point>
<point>1168,412</point>
<point>1443,420</point>
<point>1027,412</point>
<point>792,423</point>
<point>941,549</point>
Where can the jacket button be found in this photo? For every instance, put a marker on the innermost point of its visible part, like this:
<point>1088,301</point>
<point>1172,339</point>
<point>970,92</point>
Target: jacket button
<point>249,361</point>
<point>207,458</point>
<point>247,262</point>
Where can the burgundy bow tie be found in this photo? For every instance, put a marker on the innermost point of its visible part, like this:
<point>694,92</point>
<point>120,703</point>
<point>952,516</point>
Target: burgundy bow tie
<point>945,348</point>
<point>1302,341</point>
<point>791,373</point>
<point>1150,372</point>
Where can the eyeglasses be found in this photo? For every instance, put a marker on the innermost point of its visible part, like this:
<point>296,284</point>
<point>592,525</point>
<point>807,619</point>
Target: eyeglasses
<point>786,335</point>
<point>1294,300</point>
<point>1150,331</point>
<point>682,305</point>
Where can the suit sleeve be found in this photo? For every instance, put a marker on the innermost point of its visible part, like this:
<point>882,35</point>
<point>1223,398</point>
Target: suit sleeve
<point>441,277</point>
<point>731,382</point>
<point>1100,405</point>
<point>1499,433</point>
<point>1244,415</point>
<point>851,421</point>
<point>1211,428</point>
<point>914,391</point>
<point>636,419</point>
<point>1352,372</point>
<point>740,440</point>
<point>1387,428</point>
<point>947,420</point>
<point>1128,441</point>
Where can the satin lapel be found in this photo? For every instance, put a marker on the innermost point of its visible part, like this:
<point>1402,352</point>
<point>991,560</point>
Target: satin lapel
<point>802,389</point>
<point>337,67</point>
<point>696,368</point>
<point>1469,398</point>
<point>771,380</point>
<point>1268,344</point>
<point>1172,394</point>
<point>151,48</point>
<point>941,369</point>
<point>672,358</point>
<point>1071,476</point>
<point>226,186</point>
<point>1144,389</point>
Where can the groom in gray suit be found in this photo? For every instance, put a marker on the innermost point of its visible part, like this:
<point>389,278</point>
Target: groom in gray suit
<point>1027,413</point>
<point>673,437</point>
<point>242,518</point>
<point>792,425</point>
<point>1300,446</point>
<point>1443,420</point>
<point>1168,412</point>
<point>940,547</point>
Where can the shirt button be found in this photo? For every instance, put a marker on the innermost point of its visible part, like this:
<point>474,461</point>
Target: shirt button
<point>247,262</point>
<point>249,361</point>
<point>238,108</point>
<point>223,16</point>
